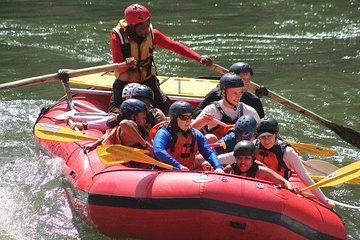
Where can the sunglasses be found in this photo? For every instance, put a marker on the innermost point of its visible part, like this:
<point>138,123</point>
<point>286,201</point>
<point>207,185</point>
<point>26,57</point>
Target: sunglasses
<point>185,117</point>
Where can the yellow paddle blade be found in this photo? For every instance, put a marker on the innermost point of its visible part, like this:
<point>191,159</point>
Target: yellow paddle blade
<point>118,148</point>
<point>110,159</point>
<point>313,149</point>
<point>319,169</point>
<point>112,154</point>
<point>60,134</point>
<point>341,175</point>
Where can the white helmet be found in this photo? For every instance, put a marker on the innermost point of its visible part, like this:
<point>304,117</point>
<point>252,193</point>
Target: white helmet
<point>128,89</point>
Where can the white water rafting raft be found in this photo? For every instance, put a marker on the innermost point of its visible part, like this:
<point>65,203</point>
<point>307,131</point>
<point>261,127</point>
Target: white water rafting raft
<point>130,202</point>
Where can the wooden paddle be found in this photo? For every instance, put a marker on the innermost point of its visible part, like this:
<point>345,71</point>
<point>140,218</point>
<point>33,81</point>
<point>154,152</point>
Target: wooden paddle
<point>307,148</point>
<point>54,76</point>
<point>340,176</point>
<point>113,154</point>
<point>348,134</point>
<point>320,169</point>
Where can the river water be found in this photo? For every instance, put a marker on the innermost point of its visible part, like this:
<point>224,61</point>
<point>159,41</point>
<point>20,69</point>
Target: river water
<point>306,51</point>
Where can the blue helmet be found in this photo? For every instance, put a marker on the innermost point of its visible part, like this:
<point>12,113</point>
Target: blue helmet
<point>245,127</point>
<point>241,67</point>
<point>230,80</point>
<point>131,106</point>
<point>179,108</point>
<point>143,91</point>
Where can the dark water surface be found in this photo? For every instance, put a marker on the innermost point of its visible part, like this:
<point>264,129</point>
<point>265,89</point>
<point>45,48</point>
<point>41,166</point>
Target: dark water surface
<point>306,51</point>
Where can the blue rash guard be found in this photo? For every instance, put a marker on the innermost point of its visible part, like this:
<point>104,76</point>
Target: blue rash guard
<point>162,138</point>
<point>230,142</point>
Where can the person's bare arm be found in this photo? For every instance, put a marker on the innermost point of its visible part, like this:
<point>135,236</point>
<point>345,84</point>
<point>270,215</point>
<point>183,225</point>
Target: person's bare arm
<point>267,174</point>
<point>130,128</point>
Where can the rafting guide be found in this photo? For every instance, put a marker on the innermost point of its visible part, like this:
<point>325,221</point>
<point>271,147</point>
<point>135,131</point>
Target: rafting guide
<point>135,39</point>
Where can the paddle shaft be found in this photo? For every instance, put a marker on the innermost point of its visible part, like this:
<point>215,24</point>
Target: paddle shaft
<point>54,76</point>
<point>349,135</point>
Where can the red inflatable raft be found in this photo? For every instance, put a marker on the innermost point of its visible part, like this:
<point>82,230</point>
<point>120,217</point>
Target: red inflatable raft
<point>150,204</point>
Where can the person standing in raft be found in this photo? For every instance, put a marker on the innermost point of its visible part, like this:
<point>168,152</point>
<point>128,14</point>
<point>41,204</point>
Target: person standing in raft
<point>133,40</point>
<point>279,156</point>
<point>177,143</point>
<point>246,73</point>
<point>245,165</point>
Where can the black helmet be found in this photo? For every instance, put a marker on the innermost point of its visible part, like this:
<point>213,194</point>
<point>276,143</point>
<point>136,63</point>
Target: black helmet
<point>245,127</point>
<point>267,126</point>
<point>143,91</point>
<point>241,67</point>
<point>179,108</point>
<point>245,148</point>
<point>131,106</point>
<point>230,80</point>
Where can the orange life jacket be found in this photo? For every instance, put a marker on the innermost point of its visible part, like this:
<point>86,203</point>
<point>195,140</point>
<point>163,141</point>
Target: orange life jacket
<point>155,128</point>
<point>273,158</point>
<point>142,53</point>
<point>113,137</point>
<point>183,148</point>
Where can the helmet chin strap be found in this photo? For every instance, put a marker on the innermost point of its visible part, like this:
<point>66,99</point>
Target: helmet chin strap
<point>234,107</point>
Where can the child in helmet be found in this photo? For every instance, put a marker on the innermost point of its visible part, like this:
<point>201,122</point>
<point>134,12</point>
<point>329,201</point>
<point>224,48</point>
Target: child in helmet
<point>133,40</point>
<point>245,72</point>
<point>245,165</point>
<point>245,129</point>
<point>177,143</point>
<point>228,109</point>
<point>145,94</point>
<point>130,130</point>
<point>279,156</point>
<point>128,90</point>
